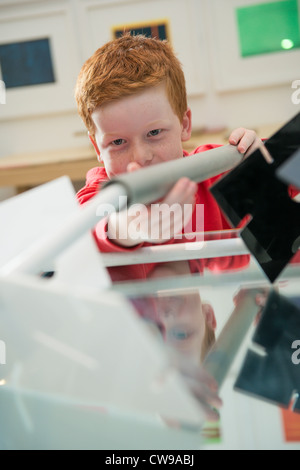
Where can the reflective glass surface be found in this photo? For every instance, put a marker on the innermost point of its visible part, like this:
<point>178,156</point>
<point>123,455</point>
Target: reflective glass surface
<point>189,356</point>
<point>228,318</point>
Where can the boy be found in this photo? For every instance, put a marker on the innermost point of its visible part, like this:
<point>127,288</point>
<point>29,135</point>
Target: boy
<point>132,98</point>
<point>187,325</point>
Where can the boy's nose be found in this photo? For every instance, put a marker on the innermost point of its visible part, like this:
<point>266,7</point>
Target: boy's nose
<point>141,154</point>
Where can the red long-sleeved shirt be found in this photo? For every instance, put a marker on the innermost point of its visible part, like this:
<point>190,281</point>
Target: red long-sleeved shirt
<point>213,221</point>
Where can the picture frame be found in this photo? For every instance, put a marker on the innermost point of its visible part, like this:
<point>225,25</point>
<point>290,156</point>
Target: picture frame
<point>158,28</point>
<point>233,72</point>
<point>50,96</point>
<point>103,19</point>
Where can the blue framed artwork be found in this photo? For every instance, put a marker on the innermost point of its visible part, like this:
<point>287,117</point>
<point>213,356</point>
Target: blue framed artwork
<point>158,29</point>
<point>26,63</point>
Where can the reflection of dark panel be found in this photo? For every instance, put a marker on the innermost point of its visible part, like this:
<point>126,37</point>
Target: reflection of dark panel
<point>290,171</point>
<point>275,375</point>
<point>155,30</point>
<point>26,63</point>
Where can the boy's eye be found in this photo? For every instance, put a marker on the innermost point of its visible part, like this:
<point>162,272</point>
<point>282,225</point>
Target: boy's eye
<point>154,132</point>
<point>179,335</point>
<point>118,142</point>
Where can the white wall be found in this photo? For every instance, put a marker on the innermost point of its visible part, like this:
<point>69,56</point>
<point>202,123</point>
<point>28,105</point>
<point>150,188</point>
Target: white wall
<point>224,90</point>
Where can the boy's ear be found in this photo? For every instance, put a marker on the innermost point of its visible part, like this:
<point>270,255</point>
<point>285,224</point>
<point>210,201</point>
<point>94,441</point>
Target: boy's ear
<point>186,124</point>
<point>93,140</point>
<point>209,315</point>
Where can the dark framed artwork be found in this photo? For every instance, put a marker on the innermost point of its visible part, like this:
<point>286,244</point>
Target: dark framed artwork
<point>33,52</point>
<point>26,63</point>
<point>156,28</point>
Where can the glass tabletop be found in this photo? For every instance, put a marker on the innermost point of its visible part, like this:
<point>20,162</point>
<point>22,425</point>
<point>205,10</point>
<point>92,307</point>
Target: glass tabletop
<point>206,303</point>
<point>183,350</point>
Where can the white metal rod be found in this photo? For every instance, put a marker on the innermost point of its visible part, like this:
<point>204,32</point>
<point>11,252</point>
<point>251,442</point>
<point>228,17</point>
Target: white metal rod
<point>43,253</point>
<point>177,252</point>
<point>153,182</point>
<point>252,277</point>
<point>223,352</point>
<point>143,186</point>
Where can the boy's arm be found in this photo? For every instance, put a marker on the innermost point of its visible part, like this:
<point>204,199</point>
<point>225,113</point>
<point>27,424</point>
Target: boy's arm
<point>156,223</point>
<point>126,230</point>
<point>107,244</point>
<point>143,226</point>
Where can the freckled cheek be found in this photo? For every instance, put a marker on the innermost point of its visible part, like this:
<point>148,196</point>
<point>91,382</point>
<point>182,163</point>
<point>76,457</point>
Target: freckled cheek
<point>116,166</point>
<point>171,152</point>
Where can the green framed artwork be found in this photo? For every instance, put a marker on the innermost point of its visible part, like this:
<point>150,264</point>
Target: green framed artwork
<point>268,27</point>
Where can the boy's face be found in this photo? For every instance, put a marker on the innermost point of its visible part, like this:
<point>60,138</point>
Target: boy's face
<point>139,130</point>
<point>183,319</point>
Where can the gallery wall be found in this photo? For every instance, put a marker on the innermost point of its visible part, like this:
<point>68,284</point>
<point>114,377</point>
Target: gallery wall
<point>228,84</point>
<point>225,89</point>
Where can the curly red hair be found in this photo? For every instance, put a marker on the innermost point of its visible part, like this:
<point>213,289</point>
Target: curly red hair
<point>125,66</point>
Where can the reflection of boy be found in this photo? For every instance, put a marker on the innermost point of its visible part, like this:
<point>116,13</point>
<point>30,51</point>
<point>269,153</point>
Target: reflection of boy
<point>131,96</point>
<point>187,322</point>
<point>188,327</point>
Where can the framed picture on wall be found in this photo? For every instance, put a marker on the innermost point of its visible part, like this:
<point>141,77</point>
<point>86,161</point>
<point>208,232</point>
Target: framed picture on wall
<point>26,63</point>
<point>254,43</point>
<point>34,47</point>
<point>175,21</point>
<point>155,28</point>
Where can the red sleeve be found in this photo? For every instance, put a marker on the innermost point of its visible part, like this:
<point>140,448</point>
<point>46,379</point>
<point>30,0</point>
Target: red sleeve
<point>94,180</point>
<point>293,192</point>
<point>86,193</point>
<point>225,263</point>
<point>105,244</point>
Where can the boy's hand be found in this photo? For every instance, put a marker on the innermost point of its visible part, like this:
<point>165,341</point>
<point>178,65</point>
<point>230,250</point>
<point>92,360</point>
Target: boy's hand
<point>157,222</point>
<point>161,221</point>
<point>201,384</point>
<point>246,140</point>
